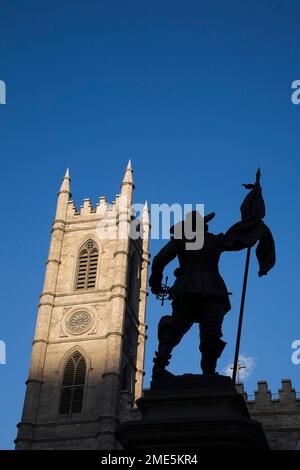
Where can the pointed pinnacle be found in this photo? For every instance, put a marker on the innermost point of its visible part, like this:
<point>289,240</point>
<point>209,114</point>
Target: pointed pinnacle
<point>65,185</point>
<point>128,178</point>
<point>146,215</point>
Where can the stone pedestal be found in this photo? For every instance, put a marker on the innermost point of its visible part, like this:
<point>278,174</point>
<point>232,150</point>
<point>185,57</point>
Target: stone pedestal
<point>192,412</point>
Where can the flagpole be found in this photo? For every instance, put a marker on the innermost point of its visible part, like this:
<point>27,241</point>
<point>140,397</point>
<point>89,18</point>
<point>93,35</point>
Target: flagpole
<point>239,331</point>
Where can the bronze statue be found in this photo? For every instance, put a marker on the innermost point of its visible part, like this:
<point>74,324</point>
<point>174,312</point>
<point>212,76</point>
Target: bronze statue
<point>199,294</point>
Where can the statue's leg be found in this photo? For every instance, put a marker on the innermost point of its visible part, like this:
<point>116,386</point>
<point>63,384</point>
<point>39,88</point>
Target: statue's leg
<point>211,345</point>
<point>170,331</point>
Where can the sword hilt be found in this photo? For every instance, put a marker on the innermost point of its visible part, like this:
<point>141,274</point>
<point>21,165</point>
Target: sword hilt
<point>164,293</point>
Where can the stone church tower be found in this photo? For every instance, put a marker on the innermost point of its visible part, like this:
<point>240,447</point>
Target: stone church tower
<point>87,359</point>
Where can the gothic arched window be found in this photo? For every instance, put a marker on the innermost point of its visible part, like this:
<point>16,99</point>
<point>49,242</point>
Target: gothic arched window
<point>72,388</point>
<point>87,266</point>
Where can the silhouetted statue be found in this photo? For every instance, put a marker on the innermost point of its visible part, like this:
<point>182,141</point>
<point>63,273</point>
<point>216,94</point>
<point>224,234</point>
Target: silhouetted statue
<point>199,294</point>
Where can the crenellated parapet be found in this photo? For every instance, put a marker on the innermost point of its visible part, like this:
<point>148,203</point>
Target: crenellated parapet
<point>67,210</point>
<point>263,396</point>
<point>101,210</point>
<point>279,413</point>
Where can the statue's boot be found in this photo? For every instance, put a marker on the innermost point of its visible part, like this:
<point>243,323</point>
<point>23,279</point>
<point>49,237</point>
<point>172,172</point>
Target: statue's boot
<point>168,337</point>
<point>211,351</point>
<point>161,360</point>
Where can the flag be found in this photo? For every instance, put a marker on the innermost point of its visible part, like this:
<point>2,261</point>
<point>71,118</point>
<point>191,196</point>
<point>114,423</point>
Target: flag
<point>251,229</point>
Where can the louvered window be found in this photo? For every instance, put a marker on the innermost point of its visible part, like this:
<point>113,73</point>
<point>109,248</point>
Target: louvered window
<point>72,389</point>
<point>87,266</point>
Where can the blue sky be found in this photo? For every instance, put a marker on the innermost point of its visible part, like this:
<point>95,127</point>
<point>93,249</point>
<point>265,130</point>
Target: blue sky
<point>198,95</point>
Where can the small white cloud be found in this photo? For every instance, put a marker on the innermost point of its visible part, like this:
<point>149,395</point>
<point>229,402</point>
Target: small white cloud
<point>247,362</point>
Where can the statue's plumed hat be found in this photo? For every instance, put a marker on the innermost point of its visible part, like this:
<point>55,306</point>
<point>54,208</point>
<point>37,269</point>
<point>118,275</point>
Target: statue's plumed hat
<point>194,215</point>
